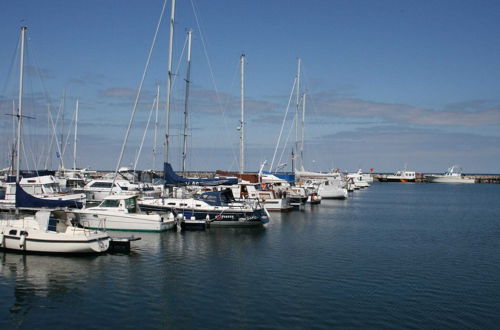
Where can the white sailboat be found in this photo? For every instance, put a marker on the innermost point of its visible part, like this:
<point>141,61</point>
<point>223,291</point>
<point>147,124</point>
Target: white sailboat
<point>47,231</point>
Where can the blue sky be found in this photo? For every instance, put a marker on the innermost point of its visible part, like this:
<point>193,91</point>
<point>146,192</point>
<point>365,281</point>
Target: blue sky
<point>388,83</point>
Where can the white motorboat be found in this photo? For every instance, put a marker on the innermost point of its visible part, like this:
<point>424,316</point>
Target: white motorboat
<point>401,176</point>
<point>328,188</point>
<point>122,212</point>
<point>50,232</point>
<point>358,179</point>
<point>452,175</point>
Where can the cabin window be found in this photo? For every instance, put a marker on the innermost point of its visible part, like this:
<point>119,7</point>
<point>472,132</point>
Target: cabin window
<point>171,204</point>
<point>183,204</point>
<point>25,233</point>
<point>110,203</point>
<point>13,232</point>
<point>52,224</point>
<point>131,205</point>
<point>101,185</point>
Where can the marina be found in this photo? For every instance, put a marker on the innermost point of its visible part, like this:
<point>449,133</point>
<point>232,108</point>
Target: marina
<point>137,193</point>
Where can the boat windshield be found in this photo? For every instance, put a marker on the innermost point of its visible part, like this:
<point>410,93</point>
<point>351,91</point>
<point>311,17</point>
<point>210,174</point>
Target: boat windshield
<point>110,203</point>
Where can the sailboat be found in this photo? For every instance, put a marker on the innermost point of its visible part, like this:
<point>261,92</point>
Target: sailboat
<point>48,231</point>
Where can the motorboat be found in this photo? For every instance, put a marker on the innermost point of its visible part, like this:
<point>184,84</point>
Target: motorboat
<point>50,232</point>
<point>401,176</point>
<point>452,175</point>
<point>358,179</point>
<point>122,212</point>
<point>218,208</point>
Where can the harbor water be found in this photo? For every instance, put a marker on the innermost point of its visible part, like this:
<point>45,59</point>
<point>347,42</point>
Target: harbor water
<point>390,256</point>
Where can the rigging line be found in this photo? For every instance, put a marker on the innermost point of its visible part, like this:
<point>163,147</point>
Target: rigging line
<point>144,135</point>
<point>73,118</point>
<point>176,73</point>
<point>31,127</point>
<point>286,142</point>
<point>12,64</point>
<point>314,108</point>
<point>55,137</point>
<point>54,132</point>
<point>138,94</point>
<point>283,123</point>
<point>38,71</point>
<point>212,76</point>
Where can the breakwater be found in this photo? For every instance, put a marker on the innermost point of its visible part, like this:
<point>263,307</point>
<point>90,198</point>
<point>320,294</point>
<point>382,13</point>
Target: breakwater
<point>420,177</point>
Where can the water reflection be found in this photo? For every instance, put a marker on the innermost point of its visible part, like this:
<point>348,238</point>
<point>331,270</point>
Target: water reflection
<point>36,278</point>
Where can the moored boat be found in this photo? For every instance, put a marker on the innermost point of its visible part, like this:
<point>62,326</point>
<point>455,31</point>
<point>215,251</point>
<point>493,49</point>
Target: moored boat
<point>122,212</point>
<point>452,175</point>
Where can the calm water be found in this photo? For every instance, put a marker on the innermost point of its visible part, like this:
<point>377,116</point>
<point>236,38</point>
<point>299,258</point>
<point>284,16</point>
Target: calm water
<point>392,256</point>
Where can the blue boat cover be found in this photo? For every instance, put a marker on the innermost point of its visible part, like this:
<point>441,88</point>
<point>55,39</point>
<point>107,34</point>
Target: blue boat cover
<point>23,199</point>
<point>288,177</point>
<point>173,179</point>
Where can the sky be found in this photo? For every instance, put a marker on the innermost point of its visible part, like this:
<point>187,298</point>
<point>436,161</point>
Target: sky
<point>388,84</point>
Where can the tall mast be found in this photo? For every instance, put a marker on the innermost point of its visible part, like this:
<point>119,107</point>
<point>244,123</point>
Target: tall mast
<point>14,133</point>
<point>242,119</point>
<point>156,125</point>
<point>186,102</point>
<point>76,133</point>
<point>20,106</point>
<point>302,131</point>
<point>169,82</point>
<point>61,165</point>
<point>298,107</point>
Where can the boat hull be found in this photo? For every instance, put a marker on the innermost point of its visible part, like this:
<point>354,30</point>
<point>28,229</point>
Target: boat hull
<point>39,244</point>
<point>216,218</point>
<point>445,179</point>
<point>149,223</point>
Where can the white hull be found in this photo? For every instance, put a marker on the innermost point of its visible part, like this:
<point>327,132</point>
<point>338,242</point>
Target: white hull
<point>330,192</point>
<point>276,205</point>
<point>73,240</point>
<point>448,179</point>
<point>50,246</point>
<point>125,222</point>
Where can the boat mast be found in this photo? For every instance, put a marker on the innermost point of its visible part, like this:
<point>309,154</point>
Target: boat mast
<point>76,132</point>
<point>156,125</point>
<point>20,106</point>
<point>20,110</point>
<point>169,82</point>
<point>297,108</point>
<point>302,131</point>
<point>242,118</point>
<point>186,102</point>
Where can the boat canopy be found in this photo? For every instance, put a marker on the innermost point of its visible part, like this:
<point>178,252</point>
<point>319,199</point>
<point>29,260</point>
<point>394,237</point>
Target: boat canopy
<point>217,198</point>
<point>23,199</point>
<point>173,179</point>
